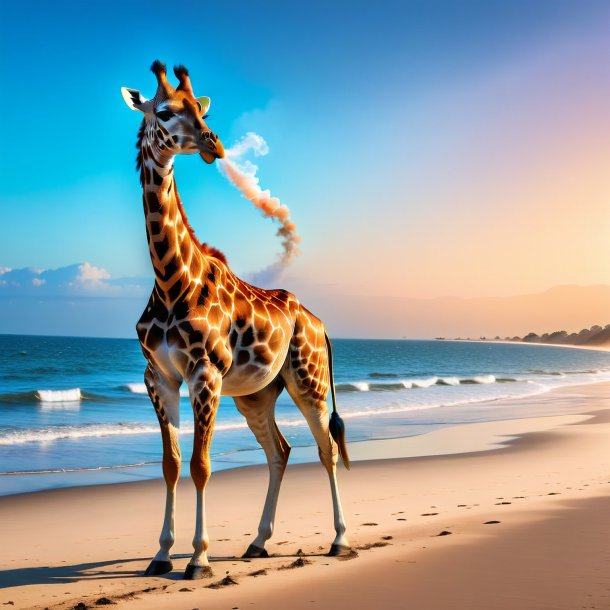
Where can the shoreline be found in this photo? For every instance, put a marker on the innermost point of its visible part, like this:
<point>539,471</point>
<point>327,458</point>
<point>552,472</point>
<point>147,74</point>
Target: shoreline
<point>545,474</point>
<point>389,447</point>
<point>595,348</point>
<point>360,450</point>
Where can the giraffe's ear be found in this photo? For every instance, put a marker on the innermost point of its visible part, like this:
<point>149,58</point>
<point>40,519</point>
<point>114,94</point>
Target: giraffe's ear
<point>135,100</point>
<point>204,103</point>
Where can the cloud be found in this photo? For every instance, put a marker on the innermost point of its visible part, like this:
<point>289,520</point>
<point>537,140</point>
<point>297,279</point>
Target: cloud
<point>90,273</point>
<point>78,280</point>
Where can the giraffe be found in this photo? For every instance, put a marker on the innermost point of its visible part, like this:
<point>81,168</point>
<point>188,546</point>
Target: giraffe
<point>220,335</point>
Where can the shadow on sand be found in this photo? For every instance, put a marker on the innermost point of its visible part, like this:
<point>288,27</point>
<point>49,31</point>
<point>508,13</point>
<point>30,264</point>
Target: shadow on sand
<point>66,574</point>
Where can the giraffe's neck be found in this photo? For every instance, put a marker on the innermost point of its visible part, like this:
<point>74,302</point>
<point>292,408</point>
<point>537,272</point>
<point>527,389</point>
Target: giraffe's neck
<point>174,252</point>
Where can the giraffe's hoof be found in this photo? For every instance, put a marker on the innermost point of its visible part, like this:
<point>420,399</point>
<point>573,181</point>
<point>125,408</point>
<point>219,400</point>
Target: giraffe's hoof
<point>340,550</point>
<point>197,572</point>
<point>156,568</point>
<point>254,551</point>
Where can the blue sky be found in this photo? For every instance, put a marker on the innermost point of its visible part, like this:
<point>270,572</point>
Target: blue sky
<point>397,132</point>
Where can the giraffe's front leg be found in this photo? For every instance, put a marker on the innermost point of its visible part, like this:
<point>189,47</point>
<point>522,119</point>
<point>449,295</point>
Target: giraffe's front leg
<point>204,389</point>
<point>164,394</point>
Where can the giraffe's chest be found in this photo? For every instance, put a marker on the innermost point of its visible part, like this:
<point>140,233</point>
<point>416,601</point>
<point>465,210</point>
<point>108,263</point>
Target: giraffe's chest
<point>249,351</point>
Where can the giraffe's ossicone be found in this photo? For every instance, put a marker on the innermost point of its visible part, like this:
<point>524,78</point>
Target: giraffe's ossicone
<point>220,335</point>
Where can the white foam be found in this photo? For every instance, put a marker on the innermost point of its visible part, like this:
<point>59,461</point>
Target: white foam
<point>422,383</point>
<point>73,395</point>
<point>484,379</point>
<point>363,386</point>
<point>396,409</point>
<point>136,388</point>
<point>449,381</point>
<point>45,435</point>
<point>54,433</point>
<point>140,388</point>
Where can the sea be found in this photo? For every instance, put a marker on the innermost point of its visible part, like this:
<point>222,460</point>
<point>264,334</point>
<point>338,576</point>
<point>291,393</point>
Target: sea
<point>74,411</point>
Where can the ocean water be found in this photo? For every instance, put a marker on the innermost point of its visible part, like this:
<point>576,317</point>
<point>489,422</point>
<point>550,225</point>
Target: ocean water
<point>75,411</point>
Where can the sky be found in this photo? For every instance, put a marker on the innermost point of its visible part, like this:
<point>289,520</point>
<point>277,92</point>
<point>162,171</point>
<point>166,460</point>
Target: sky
<point>425,148</point>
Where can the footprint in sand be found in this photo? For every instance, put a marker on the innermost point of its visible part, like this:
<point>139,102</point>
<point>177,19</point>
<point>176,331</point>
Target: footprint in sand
<point>370,524</point>
<point>225,582</point>
<point>428,514</point>
<point>444,533</point>
<point>371,545</point>
<point>297,563</point>
<point>491,522</point>
<point>258,573</point>
<point>501,503</point>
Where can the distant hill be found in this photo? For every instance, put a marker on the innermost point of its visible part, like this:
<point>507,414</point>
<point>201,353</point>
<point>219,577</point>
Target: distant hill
<point>570,307</point>
<point>597,336</point>
<point>83,299</point>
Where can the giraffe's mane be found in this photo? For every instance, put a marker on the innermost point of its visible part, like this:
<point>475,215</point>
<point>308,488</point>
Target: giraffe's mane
<point>205,248</point>
<point>139,165</point>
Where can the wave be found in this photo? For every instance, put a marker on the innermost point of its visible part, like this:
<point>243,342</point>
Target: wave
<point>73,395</point>
<point>54,433</point>
<point>65,470</point>
<point>479,379</point>
<point>140,388</point>
<point>449,381</point>
<point>421,400</point>
<point>420,383</point>
<point>547,372</point>
<point>409,384</point>
<point>354,386</point>
<point>19,436</point>
<point>379,382</point>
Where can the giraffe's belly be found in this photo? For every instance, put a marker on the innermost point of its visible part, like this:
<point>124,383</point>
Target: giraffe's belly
<point>242,380</point>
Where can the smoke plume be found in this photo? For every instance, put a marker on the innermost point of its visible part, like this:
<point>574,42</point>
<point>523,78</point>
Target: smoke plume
<point>241,172</point>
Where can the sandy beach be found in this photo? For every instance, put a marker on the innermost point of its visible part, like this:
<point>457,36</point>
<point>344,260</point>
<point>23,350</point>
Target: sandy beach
<point>593,348</point>
<point>513,516</point>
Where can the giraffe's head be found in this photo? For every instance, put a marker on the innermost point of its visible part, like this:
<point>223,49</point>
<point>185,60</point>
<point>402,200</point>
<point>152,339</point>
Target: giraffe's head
<point>174,120</point>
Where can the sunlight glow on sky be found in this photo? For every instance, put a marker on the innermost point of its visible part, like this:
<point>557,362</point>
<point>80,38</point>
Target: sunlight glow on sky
<point>424,148</point>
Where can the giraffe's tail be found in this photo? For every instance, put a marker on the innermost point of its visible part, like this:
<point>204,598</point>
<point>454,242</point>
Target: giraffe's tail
<point>337,427</point>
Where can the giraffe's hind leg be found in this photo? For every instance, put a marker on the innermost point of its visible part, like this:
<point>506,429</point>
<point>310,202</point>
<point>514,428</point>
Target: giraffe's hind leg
<point>306,375</point>
<point>259,409</point>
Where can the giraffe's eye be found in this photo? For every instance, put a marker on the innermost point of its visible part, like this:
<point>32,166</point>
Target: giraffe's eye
<point>165,115</point>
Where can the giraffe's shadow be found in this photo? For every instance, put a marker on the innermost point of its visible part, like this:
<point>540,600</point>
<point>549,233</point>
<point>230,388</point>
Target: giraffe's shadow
<point>103,570</point>
<point>43,575</point>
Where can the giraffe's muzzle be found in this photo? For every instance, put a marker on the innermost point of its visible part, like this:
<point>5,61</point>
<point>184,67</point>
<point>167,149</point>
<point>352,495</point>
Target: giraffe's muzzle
<point>210,147</point>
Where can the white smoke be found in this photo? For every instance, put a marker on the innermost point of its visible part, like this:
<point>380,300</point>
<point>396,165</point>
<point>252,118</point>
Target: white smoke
<point>241,173</point>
